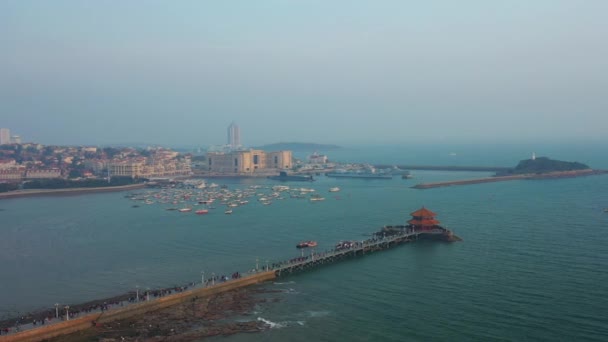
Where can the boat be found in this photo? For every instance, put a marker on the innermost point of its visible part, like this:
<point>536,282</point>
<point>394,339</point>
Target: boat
<point>171,209</point>
<point>135,206</point>
<point>184,210</point>
<point>283,176</point>
<point>334,189</point>
<point>316,198</point>
<point>228,212</point>
<point>306,244</point>
<point>202,212</point>
<point>368,172</point>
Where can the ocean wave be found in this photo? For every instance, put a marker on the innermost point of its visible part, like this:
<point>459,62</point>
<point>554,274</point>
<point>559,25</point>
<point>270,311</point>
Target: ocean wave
<point>278,325</point>
<point>318,313</point>
<point>285,283</point>
<point>270,323</point>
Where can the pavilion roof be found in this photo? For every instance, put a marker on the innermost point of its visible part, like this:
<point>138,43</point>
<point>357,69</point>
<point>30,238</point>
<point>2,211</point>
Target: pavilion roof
<point>423,212</point>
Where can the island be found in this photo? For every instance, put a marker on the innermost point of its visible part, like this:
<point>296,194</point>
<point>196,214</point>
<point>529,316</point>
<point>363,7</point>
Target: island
<point>534,168</point>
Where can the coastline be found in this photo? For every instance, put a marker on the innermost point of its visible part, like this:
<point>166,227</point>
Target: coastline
<point>72,191</point>
<point>549,175</point>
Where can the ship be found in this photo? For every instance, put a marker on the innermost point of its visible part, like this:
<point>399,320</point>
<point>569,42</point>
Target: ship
<point>368,173</point>
<point>306,244</point>
<point>283,176</point>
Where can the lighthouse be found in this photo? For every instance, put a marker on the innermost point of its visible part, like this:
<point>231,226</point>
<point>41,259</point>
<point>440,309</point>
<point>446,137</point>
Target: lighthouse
<point>533,156</point>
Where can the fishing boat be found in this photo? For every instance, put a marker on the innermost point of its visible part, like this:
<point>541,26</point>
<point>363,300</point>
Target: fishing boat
<point>202,212</point>
<point>306,244</point>
<point>317,198</point>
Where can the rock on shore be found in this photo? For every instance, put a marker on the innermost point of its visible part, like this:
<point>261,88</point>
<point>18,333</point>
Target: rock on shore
<point>189,321</point>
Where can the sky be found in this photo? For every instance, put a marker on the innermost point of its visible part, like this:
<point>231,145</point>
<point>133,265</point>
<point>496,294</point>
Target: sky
<point>340,71</point>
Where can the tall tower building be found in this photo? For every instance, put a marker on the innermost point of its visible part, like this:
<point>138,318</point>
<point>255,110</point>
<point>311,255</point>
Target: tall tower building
<point>5,136</point>
<point>234,136</point>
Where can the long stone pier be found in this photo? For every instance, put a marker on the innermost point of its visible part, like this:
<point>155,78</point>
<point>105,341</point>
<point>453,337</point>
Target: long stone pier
<point>399,235</point>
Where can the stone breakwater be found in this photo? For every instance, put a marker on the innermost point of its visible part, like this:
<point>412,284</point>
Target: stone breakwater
<point>90,321</point>
<point>549,175</point>
<point>72,191</point>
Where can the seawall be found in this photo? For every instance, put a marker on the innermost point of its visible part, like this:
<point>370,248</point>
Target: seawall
<point>549,175</point>
<point>72,191</point>
<point>86,322</point>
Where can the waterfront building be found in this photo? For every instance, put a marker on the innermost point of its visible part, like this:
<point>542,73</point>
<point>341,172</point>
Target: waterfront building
<point>317,159</point>
<point>12,175</point>
<point>234,136</point>
<point>423,219</point>
<point>43,173</point>
<point>5,136</point>
<point>248,161</point>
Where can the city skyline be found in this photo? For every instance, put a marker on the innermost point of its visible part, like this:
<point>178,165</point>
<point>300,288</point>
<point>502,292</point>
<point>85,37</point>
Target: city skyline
<point>104,73</point>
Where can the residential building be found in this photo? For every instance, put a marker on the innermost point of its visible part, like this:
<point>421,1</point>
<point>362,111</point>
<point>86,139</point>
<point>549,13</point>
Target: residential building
<point>5,136</point>
<point>234,136</point>
<point>43,173</point>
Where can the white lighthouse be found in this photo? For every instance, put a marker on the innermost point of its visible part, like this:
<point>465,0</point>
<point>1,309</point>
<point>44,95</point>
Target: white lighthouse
<point>533,156</point>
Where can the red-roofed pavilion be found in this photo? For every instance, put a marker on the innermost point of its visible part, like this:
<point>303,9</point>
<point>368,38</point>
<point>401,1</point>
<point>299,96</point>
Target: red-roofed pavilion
<point>423,219</point>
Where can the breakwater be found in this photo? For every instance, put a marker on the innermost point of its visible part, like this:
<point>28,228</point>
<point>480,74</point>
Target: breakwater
<point>549,175</point>
<point>72,191</point>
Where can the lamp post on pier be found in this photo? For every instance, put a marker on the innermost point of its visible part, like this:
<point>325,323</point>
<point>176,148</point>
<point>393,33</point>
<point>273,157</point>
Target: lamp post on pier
<point>212,278</point>
<point>267,266</point>
<point>147,294</point>
<point>257,264</point>
<point>203,278</point>
<point>137,293</point>
<point>56,310</point>
<point>67,312</point>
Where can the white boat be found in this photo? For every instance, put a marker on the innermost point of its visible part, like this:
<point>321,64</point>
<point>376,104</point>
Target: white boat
<point>334,189</point>
<point>317,198</point>
<point>185,210</point>
<point>228,212</point>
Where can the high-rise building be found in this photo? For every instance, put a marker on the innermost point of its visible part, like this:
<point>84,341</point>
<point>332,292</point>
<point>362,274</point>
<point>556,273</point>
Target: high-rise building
<point>234,136</point>
<point>5,136</point>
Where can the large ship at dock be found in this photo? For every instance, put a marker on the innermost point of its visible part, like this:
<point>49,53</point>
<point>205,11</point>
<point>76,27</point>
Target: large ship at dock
<point>368,172</point>
<point>284,177</point>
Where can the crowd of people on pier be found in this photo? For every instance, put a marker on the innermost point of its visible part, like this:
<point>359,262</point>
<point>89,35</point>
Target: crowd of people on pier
<point>59,314</point>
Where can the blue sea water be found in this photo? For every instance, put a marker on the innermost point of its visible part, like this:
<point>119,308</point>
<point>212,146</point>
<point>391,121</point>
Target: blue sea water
<point>533,264</point>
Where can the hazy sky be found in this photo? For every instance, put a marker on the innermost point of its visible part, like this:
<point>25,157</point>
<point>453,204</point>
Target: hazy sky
<point>178,72</point>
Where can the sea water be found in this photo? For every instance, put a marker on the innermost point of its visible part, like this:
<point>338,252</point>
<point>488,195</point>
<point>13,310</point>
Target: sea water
<point>533,263</point>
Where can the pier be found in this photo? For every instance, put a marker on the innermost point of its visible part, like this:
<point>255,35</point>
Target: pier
<point>422,226</point>
<point>358,249</point>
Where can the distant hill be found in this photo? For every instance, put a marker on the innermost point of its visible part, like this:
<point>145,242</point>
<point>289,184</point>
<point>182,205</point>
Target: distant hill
<point>298,147</point>
<point>544,165</point>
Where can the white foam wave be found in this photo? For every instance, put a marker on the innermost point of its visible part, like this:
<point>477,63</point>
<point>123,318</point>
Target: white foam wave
<point>279,325</point>
<point>270,323</point>
<point>285,283</point>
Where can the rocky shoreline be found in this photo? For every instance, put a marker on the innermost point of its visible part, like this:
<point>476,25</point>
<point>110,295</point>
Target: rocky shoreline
<point>193,320</point>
